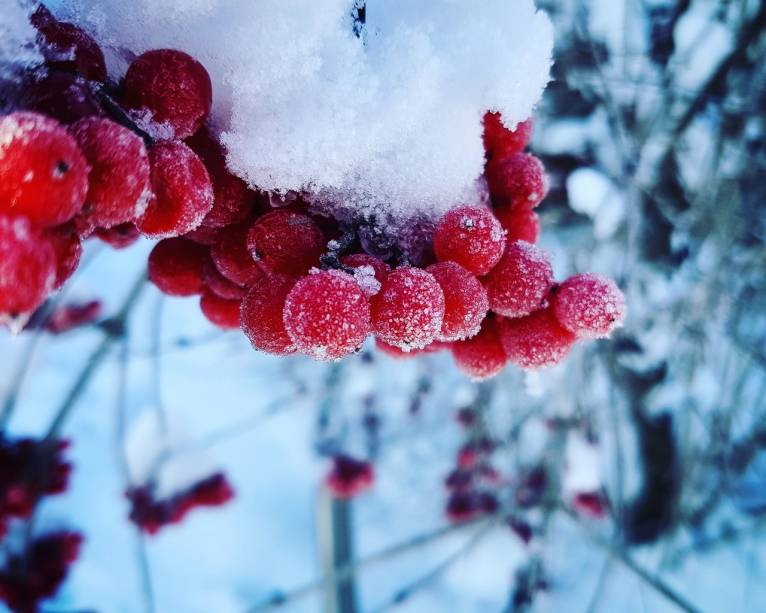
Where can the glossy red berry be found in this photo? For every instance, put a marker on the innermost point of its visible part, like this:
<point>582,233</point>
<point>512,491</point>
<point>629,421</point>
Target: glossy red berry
<point>519,224</point>
<point>204,235</point>
<point>173,86</point>
<point>408,310</point>
<point>481,356</point>
<point>520,283</point>
<point>349,477</point>
<point>175,266</point>
<point>470,236</point>
<point>535,341</point>
<point>589,305</point>
<point>327,315</point>
<point>119,180</point>
<point>517,181</point>
<point>500,141</point>
<point>262,311</point>
<point>221,312</point>
<point>465,301</point>
<point>43,173</point>
<point>214,281</point>
<point>182,193</point>
<point>68,250</point>
<point>119,237</point>
<point>232,257</point>
<point>27,269</point>
<point>286,242</point>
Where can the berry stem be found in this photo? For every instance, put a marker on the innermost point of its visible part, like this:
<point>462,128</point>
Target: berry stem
<point>337,546</point>
<point>118,115</point>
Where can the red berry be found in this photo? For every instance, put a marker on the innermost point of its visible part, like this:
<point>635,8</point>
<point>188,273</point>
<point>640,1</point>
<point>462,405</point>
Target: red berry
<point>27,269</point>
<point>119,237</point>
<point>71,316</point>
<point>204,235</point>
<point>593,504</point>
<point>175,266</point>
<point>220,285</point>
<point>471,237</point>
<point>68,47</point>
<point>517,181</point>
<point>232,257</point>
<point>262,315</point>
<point>119,186</point>
<point>286,242</point>
<point>43,174</point>
<point>359,261</point>
<point>62,95</point>
<point>481,356</point>
<point>519,224</point>
<point>233,200</point>
<point>408,310</point>
<point>182,192</point>
<point>589,305</point>
<point>500,141</point>
<point>465,301</point>
<point>349,477</point>
<point>521,281</point>
<point>68,250</point>
<point>219,311</point>
<point>400,354</point>
<point>172,85</point>
<point>327,315</point>
<point>535,341</point>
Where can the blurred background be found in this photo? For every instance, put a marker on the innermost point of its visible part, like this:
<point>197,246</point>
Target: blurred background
<point>630,478</point>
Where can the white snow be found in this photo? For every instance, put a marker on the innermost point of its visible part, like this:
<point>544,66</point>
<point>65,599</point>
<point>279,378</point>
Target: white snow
<point>17,38</point>
<point>593,194</point>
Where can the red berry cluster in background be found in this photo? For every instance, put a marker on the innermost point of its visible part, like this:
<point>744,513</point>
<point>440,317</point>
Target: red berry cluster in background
<point>151,514</point>
<point>349,477</point>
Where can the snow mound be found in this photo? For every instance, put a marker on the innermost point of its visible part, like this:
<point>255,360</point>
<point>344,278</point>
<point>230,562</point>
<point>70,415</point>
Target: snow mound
<point>17,39</point>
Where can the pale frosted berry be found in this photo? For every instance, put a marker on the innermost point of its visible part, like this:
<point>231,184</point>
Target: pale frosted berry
<point>221,312</point>
<point>172,85</point>
<point>119,237</point>
<point>519,224</point>
<point>68,250</point>
<point>182,193</point>
<point>465,301</point>
<point>286,242</point>
<point>175,266</point>
<point>232,257</point>
<point>520,283</point>
<point>119,185</point>
<point>261,315</point>
<point>470,236</point>
<point>535,341</point>
<point>43,173</point>
<point>500,141</point>
<point>27,268</point>
<point>589,305</point>
<point>233,200</point>
<point>327,315</point>
<point>481,356</point>
<point>349,477</point>
<point>214,281</point>
<point>408,310</point>
<point>68,47</point>
<point>62,95</point>
<point>517,181</point>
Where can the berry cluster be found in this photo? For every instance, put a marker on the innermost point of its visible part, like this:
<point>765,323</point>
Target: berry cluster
<point>151,514</point>
<point>349,477</point>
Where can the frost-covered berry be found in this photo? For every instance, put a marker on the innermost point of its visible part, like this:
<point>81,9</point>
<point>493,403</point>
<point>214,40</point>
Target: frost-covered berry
<point>118,184</point>
<point>401,354</point>
<point>68,250</point>
<point>519,224</point>
<point>470,236</point>
<point>349,477</point>
<point>232,257</point>
<point>327,315</point>
<point>535,341</point>
<point>465,301</point>
<point>68,47</point>
<point>27,269</point>
<point>119,237</point>
<point>182,193</point>
<point>286,242</point>
<point>214,281</point>
<point>589,305</point>
<point>517,181</point>
<point>175,266</point>
<point>408,310</point>
<point>173,86</point>
<point>62,95</point>
<point>500,141</point>
<point>233,199</point>
<point>521,281</point>
<point>481,356</point>
<point>43,173</point>
<point>360,260</point>
<point>219,311</point>
<point>261,316</point>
